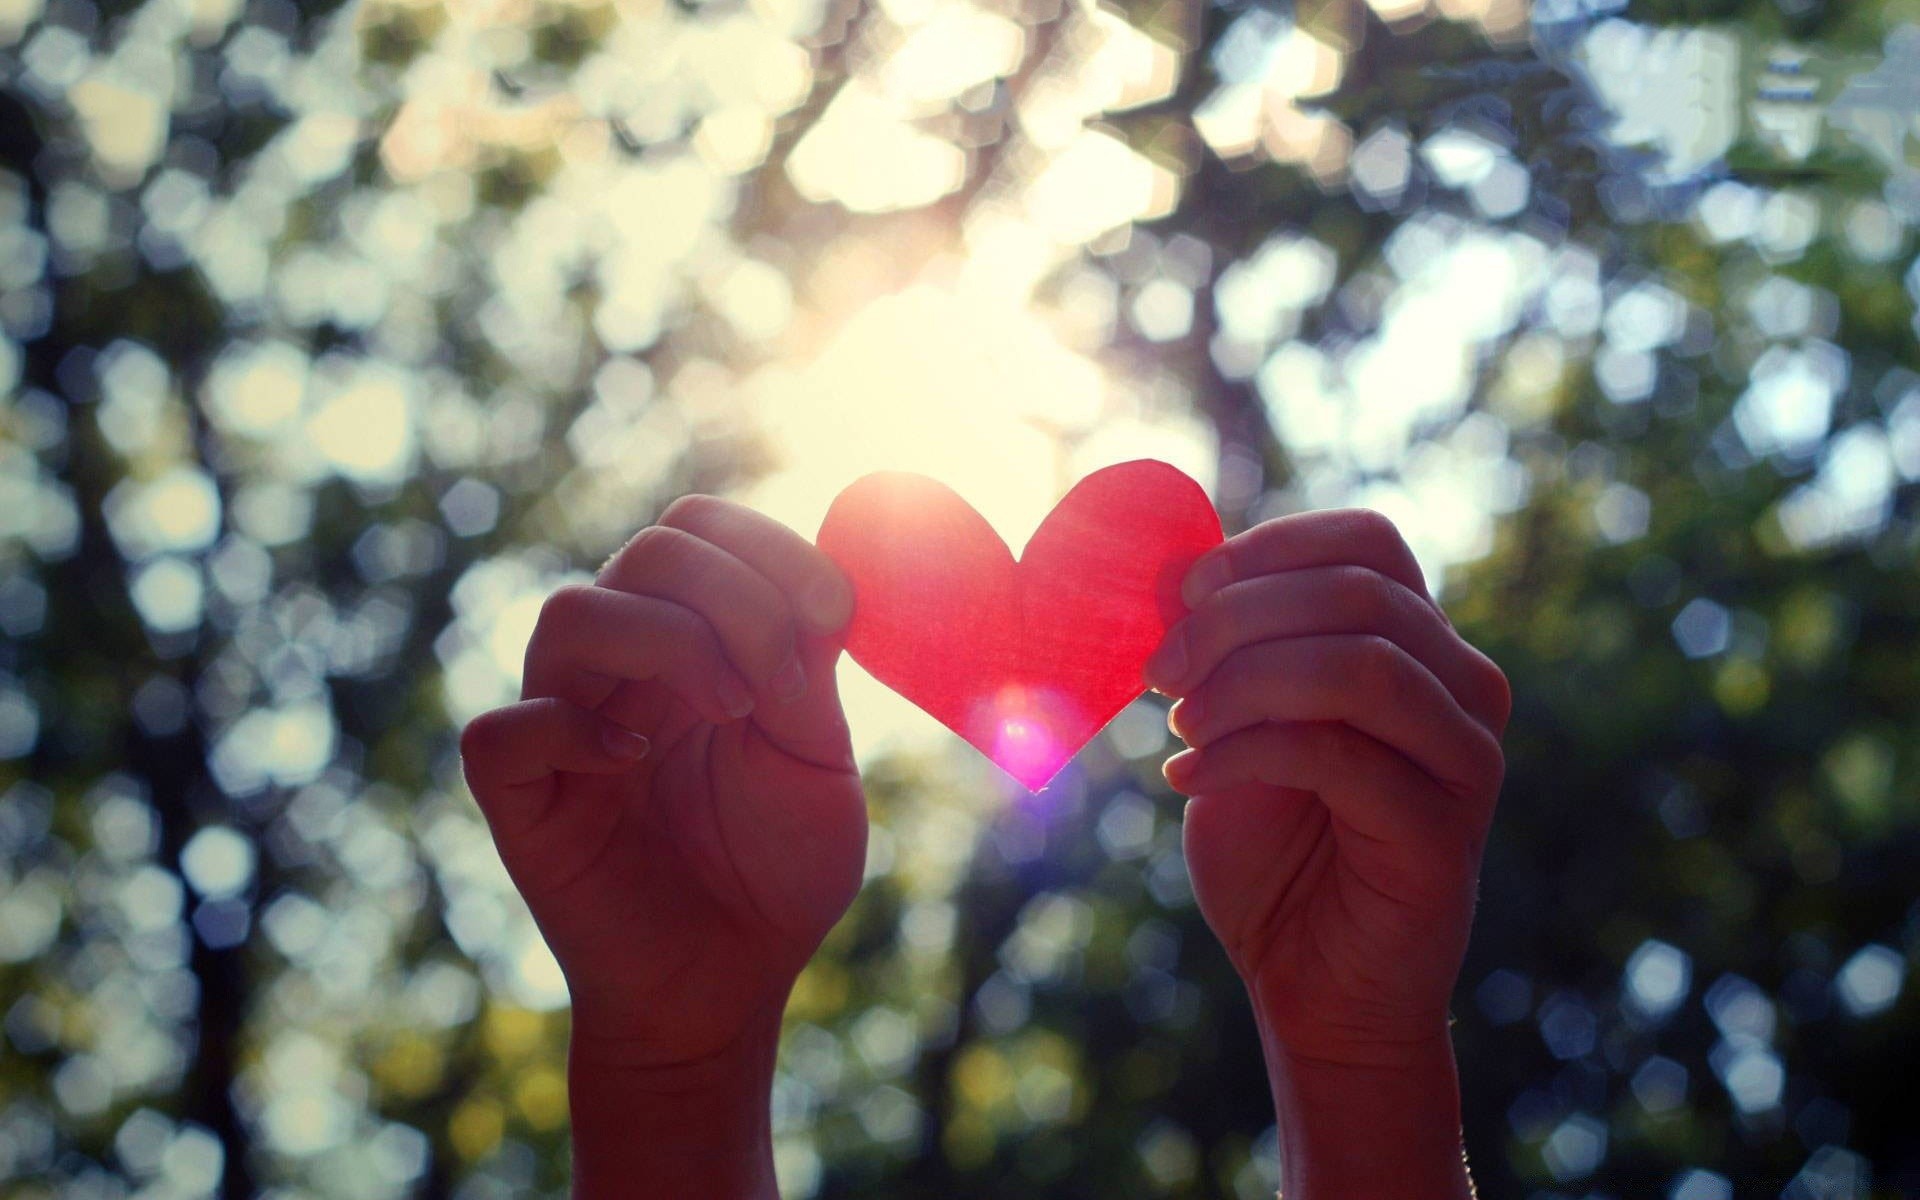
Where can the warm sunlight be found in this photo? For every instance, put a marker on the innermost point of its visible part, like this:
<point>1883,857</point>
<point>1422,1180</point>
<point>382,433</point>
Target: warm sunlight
<point>960,380</point>
<point>340,341</point>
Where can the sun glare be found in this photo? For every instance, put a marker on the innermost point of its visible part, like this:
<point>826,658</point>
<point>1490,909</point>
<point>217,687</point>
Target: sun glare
<point>963,381</point>
<point>1026,750</point>
<point>1024,724</point>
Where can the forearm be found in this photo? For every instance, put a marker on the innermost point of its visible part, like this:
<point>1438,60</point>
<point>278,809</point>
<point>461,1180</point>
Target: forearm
<point>691,1129</point>
<point>1386,1130</point>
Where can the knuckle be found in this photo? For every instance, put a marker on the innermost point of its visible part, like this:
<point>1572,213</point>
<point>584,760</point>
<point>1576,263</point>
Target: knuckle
<point>1384,665</point>
<point>655,550</point>
<point>657,543</point>
<point>679,626</point>
<point>1379,656</point>
<point>678,635</point>
<point>565,603</point>
<point>1237,673</point>
<point>1252,546</point>
<point>1235,551</point>
<point>1372,527</point>
<point>1476,777</point>
<point>481,737</point>
<point>1369,596</point>
<point>691,509</point>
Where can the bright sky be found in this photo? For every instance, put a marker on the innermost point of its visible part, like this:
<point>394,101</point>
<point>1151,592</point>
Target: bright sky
<point>977,367</point>
<point>979,362</point>
<point>959,381</point>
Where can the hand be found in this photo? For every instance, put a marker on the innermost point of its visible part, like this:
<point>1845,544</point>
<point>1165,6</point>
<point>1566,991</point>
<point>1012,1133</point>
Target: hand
<point>675,796</point>
<point>1344,764</point>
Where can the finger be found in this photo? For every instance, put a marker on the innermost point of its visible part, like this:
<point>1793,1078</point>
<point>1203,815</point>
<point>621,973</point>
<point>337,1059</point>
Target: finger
<point>589,640</point>
<point>1361,680</point>
<point>1354,536</point>
<point>812,728</point>
<point>526,743</point>
<point>820,591</point>
<point>1366,785</point>
<point>1328,600</point>
<point>754,621</point>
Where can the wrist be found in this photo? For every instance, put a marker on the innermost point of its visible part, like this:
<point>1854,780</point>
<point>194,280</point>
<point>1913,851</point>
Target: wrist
<point>1383,1123</point>
<point>644,1123</point>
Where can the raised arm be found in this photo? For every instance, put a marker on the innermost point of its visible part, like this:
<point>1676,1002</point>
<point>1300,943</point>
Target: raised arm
<point>675,797</point>
<point>1343,766</point>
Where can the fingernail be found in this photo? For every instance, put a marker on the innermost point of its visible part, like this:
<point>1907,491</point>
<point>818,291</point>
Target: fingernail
<point>623,743</point>
<point>734,695</point>
<point>1205,578</point>
<point>827,602</point>
<point>1180,766</point>
<point>1169,663</point>
<point>1184,716</point>
<point>790,682</point>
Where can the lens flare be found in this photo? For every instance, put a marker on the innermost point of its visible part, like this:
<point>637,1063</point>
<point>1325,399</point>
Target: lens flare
<point>1026,743</point>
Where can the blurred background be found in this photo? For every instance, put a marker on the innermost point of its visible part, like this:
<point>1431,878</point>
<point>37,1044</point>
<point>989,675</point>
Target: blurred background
<point>331,339</point>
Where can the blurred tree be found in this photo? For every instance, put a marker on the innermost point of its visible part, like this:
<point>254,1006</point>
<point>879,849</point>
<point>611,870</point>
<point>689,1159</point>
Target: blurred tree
<point>333,340</point>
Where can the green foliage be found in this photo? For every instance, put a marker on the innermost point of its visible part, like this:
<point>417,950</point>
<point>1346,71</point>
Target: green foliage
<point>1712,624</point>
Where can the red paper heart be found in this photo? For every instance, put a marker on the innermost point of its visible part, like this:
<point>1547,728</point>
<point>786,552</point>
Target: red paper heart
<point>1025,660</point>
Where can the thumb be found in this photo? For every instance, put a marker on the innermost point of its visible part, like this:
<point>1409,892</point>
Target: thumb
<point>812,726</point>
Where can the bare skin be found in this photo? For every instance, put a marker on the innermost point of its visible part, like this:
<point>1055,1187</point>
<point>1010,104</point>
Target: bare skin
<point>1344,764</point>
<point>682,814</point>
<point>675,796</point>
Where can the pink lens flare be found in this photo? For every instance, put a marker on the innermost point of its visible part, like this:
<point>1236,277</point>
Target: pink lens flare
<point>1022,720</point>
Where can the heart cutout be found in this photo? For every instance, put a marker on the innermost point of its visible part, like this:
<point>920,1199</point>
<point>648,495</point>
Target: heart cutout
<point>1027,660</point>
